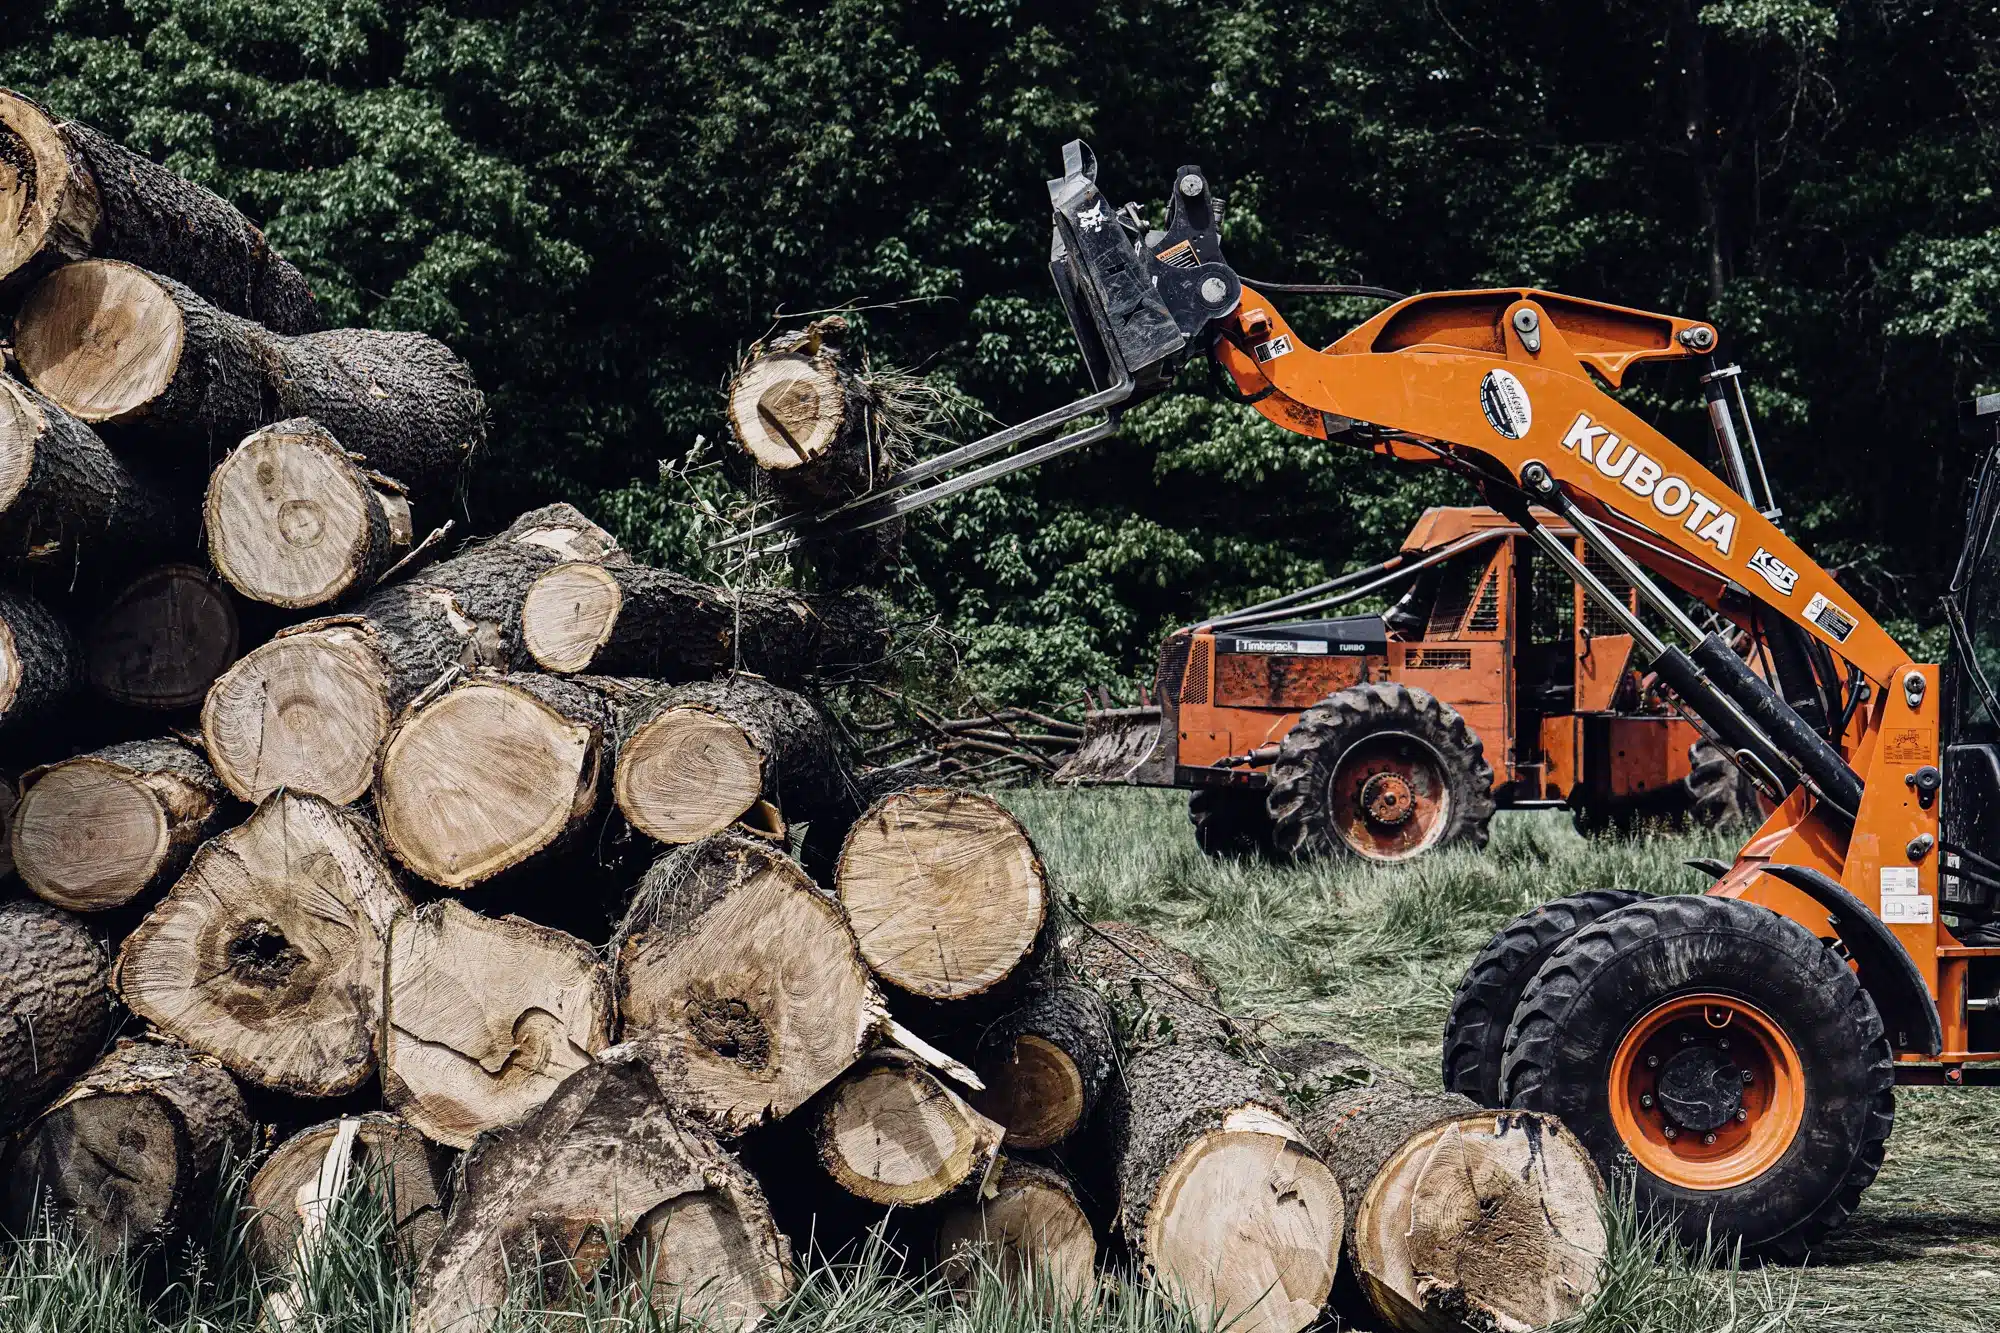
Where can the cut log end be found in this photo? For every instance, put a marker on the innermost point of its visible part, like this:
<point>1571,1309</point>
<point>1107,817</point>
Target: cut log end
<point>34,179</point>
<point>891,1132</point>
<point>307,711</point>
<point>1035,1090</point>
<point>22,420</point>
<point>569,614</point>
<point>1031,1236</point>
<point>390,1160</point>
<point>787,409</point>
<point>163,640</point>
<point>90,835</point>
<point>687,773</point>
<point>101,337</point>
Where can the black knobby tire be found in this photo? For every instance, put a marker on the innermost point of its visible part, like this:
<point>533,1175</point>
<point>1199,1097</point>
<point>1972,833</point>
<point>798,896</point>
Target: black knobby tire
<point>1610,976</point>
<point>1475,1035</point>
<point>1714,793</point>
<point>1311,812</point>
<point>1229,821</point>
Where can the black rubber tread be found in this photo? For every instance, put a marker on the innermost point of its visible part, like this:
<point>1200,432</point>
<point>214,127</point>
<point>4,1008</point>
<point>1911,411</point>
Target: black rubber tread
<point>1715,792</point>
<point>1311,750</point>
<point>1229,821</point>
<point>1475,1034</point>
<point>1608,975</point>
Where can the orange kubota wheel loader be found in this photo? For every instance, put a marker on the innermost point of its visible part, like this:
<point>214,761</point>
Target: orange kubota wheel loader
<point>1740,1048</point>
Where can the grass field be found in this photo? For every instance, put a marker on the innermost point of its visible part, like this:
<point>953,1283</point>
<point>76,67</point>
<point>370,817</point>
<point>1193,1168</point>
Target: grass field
<point>1370,955</point>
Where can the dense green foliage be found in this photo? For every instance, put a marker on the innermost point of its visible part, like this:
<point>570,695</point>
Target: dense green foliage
<point>601,203</point>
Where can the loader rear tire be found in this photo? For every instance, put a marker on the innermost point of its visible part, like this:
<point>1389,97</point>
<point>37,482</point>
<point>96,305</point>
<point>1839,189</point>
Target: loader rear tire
<point>1381,772</point>
<point>1475,1035</point>
<point>1229,821</point>
<point>1722,1054</point>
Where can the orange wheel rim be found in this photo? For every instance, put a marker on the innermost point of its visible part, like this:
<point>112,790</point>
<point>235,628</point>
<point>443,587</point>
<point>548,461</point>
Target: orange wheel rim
<point>1391,800</point>
<point>1707,1092</point>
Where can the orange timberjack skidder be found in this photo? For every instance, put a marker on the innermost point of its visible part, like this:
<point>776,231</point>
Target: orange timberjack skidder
<point>1739,1049</point>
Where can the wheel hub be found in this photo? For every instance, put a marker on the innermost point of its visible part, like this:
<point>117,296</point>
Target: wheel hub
<point>1387,799</point>
<point>1701,1089</point>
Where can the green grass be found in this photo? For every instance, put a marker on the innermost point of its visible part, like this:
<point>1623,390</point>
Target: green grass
<point>1368,955</point>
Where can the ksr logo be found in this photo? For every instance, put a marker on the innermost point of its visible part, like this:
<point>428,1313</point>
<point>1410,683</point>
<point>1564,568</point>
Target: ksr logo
<point>1671,495</point>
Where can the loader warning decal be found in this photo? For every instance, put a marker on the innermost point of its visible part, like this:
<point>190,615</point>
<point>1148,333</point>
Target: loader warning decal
<point>1275,348</point>
<point>1709,520</point>
<point>1506,404</point>
<point>1837,623</point>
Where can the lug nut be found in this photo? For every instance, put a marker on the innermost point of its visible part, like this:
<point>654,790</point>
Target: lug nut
<point>1748,1078</point>
<point>1672,1133</point>
<point>1687,1039</point>
<point>1741,1115</point>
<point>1722,1045</point>
<point>1652,1062</point>
<point>1708,1140</point>
<point>1645,1101</point>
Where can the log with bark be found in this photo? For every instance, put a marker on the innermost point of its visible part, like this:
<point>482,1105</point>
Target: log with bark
<point>295,520</point>
<point>40,662</point>
<point>64,496</point>
<point>1459,1218</point>
<point>606,1178</point>
<point>132,1150</point>
<point>384,1156</point>
<point>483,1017</point>
<point>311,708</point>
<point>1155,992</point>
<point>692,760</point>
<point>268,953</point>
<point>891,1131</point>
<point>56,997</point>
<point>804,417</point>
<point>1028,1232</point>
<point>67,192</point>
<point>163,640</point>
<point>97,831</point>
<point>944,890</point>
<point>621,618</point>
<point>1045,1059</point>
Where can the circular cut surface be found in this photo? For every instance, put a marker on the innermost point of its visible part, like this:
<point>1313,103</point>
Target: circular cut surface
<point>1248,1225</point>
<point>111,1160</point>
<point>287,519</point>
<point>568,614</point>
<point>88,835</point>
<point>479,781</point>
<point>898,1135</point>
<point>704,1260</point>
<point>100,337</point>
<point>944,891</point>
<point>686,774</point>
<point>34,174</point>
<point>308,711</point>
<point>785,409</point>
<point>165,639</point>
<point>1037,1093</point>
<point>1031,1234</point>
<point>21,425</point>
<point>389,1158</point>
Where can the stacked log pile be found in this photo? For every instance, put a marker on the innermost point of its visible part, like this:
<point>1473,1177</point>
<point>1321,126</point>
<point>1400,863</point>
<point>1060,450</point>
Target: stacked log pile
<point>537,889</point>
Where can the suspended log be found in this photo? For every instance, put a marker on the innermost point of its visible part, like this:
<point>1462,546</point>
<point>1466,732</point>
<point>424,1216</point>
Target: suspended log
<point>484,1017</point>
<point>693,759</point>
<point>268,953</point>
<point>1029,1232</point>
<point>1458,1218</point>
<point>163,640</point>
<point>944,890</point>
<point>99,830</point>
<point>55,994</point>
<point>606,1170</point>
<point>1222,1201</point>
<point>311,708</point>
<point>131,1152</point>
<point>40,663</point>
<point>1046,1059</point>
<point>892,1132</point>
<point>294,520</point>
<point>67,192</point>
<point>490,774</point>
<point>64,495</point>
<point>804,418</point>
<point>386,1157</point>
<point>616,618</point>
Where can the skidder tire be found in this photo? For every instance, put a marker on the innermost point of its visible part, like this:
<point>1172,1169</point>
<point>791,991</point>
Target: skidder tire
<point>1718,791</point>
<point>1475,1035</point>
<point>1380,772</point>
<point>1721,1052</point>
<point>1229,821</point>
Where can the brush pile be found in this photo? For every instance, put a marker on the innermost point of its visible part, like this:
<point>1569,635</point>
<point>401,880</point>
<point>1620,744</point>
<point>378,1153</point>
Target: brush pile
<point>535,889</point>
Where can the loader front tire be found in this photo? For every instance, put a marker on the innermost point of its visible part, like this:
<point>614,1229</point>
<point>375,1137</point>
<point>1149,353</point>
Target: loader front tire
<point>1382,772</point>
<point>1722,1054</point>
<point>1229,821</point>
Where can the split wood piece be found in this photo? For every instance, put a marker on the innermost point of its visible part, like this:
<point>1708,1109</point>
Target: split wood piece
<point>694,759</point>
<point>735,967</point>
<point>804,418</point>
<point>1458,1218</point>
<point>386,1157</point>
<point>634,619</point>
<point>491,773</point>
<point>268,953</point>
<point>1031,1235</point>
<point>294,520</point>
<point>163,640</point>
<point>1157,994</point>
<point>1219,1195</point>
<point>892,1132</point>
<point>944,890</point>
<point>99,830</point>
<point>605,1171</point>
<point>1045,1060</point>
<point>132,1151</point>
<point>64,494</point>
<point>68,192</point>
<point>311,708</point>
<point>40,663</point>
<point>56,995</point>
<point>484,1017</point>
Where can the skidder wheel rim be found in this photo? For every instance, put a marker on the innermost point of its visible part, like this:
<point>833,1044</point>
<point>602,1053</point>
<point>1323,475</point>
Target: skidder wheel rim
<point>1390,796</point>
<point>1707,1092</point>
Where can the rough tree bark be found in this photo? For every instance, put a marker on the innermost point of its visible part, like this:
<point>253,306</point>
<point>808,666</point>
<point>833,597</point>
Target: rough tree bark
<point>403,1169</point>
<point>484,1017</point>
<point>402,402</point>
<point>311,708</point>
<point>56,998</point>
<point>268,953</point>
<point>606,1167</point>
<point>892,1132</point>
<point>67,192</point>
<point>40,663</point>
<point>99,830</point>
<point>63,493</point>
<point>1045,1060</point>
<point>163,640</point>
<point>294,520</point>
<point>131,1152</point>
<point>1155,992</point>
<point>1458,1218</point>
<point>1031,1233</point>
